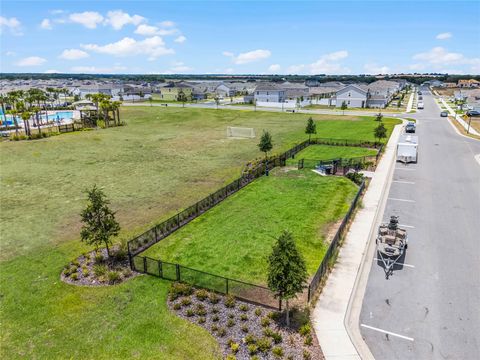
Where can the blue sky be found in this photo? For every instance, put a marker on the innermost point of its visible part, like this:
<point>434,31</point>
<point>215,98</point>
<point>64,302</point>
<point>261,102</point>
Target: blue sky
<point>311,37</point>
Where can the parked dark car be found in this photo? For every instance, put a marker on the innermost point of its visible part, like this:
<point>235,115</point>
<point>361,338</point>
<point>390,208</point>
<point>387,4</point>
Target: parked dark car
<point>410,127</point>
<point>419,93</point>
<point>444,114</point>
<point>473,113</point>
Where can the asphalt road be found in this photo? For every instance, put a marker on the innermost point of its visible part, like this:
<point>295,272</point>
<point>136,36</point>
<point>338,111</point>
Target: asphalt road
<point>430,307</point>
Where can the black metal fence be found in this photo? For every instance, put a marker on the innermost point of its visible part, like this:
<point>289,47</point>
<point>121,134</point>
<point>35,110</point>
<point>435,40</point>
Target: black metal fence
<point>176,272</point>
<point>322,271</point>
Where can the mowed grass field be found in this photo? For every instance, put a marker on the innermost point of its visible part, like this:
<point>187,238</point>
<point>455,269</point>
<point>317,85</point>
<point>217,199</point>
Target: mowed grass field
<point>161,162</point>
<point>328,152</point>
<point>234,238</point>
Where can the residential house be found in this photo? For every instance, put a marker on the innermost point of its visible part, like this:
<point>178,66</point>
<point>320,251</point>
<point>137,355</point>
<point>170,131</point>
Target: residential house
<point>112,90</point>
<point>449,84</point>
<point>354,96</point>
<point>224,90</point>
<point>472,83</point>
<point>171,91</point>
<point>294,91</point>
<point>322,95</point>
<point>268,92</point>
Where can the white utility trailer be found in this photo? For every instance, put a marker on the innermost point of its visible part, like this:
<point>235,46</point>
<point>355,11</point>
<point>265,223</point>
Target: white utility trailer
<point>407,148</point>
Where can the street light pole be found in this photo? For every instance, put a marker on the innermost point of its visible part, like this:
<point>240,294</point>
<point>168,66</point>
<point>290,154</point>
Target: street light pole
<point>469,121</point>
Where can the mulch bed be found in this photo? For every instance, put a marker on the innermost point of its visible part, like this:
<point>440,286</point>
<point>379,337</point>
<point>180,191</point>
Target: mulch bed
<point>97,269</point>
<point>236,325</point>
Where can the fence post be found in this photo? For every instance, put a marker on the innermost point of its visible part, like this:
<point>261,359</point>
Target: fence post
<point>177,270</point>
<point>308,295</point>
<point>178,219</point>
<point>144,264</point>
<point>160,272</point>
<point>226,285</point>
<point>156,234</point>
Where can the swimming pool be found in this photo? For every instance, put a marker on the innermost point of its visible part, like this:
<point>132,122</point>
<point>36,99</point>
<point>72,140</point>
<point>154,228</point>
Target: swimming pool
<point>52,116</point>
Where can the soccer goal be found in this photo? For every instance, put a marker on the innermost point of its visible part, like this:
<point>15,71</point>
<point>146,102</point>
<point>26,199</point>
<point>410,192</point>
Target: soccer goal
<point>239,132</point>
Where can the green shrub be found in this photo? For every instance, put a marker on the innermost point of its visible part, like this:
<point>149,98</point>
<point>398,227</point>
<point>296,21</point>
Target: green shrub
<point>229,301</point>
<point>265,322</point>
<point>221,332</point>
<point>190,312</point>
<point>214,328</point>
<point>231,316</point>
<point>277,352</point>
<point>215,318</point>
<point>254,357</point>
<point>274,315</point>
<point>177,306</point>
<point>234,347</point>
<point>308,340</point>
<point>127,272</point>
<point>200,310</point>
<point>244,317</point>
<point>243,307</point>
<point>67,271</point>
<point>201,294</point>
<point>245,329</point>
<point>101,124</point>
<point>231,357</point>
<point>214,298</point>
<point>258,311</point>
<point>276,337</point>
<point>113,277</point>
<point>306,355</point>
<point>268,332</point>
<point>264,344</point>
<point>356,177</point>
<point>74,276</point>
<point>179,289</point>
<point>250,339</point>
<point>230,322</point>
<point>85,272</point>
<point>202,320</point>
<point>100,270</point>
<point>214,310</point>
<point>252,349</point>
<point>76,262</point>
<point>120,254</point>
<point>99,259</point>
<point>186,301</point>
<point>305,330</point>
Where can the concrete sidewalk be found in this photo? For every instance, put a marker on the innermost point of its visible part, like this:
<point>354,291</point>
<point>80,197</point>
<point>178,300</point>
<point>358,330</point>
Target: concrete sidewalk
<point>329,315</point>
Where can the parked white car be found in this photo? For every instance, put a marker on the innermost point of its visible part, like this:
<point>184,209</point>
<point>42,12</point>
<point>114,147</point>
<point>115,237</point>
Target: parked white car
<point>420,105</point>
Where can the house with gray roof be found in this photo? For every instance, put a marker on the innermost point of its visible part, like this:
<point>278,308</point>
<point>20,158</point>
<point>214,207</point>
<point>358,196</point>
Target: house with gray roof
<point>354,96</point>
<point>269,92</point>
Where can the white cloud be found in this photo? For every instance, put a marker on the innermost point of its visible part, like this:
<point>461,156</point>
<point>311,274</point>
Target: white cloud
<point>94,69</point>
<point>167,23</point>
<point>146,30</point>
<point>52,71</point>
<point>56,11</point>
<point>89,19</point>
<point>31,61</point>
<point>229,71</point>
<point>154,47</point>
<point>326,64</point>
<point>274,68</point>
<point>180,39</point>
<point>440,58</point>
<point>73,54</point>
<point>118,19</point>
<point>444,36</point>
<point>150,30</point>
<point>375,69</point>
<point>248,57</point>
<point>12,24</point>
<point>10,53</point>
<point>46,24</point>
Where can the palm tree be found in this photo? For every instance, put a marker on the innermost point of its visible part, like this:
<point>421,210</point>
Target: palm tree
<point>116,111</point>
<point>105,106</point>
<point>3,101</point>
<point>26,117</point>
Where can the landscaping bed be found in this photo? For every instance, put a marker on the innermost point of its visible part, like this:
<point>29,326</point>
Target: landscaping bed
<point>96,268</point>
<point>243,330</point>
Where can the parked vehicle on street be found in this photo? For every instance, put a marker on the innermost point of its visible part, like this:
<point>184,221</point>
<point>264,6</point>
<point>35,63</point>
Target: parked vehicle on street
<point>473,113</point>
<point>420,105</point>
<point>410,127</point>
<point>407,149</point>
<point>444,114</point>
<point>392,241</point>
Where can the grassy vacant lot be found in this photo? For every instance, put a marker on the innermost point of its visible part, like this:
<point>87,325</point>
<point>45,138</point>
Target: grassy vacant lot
<point>162,161</point>
<point>327,152</point>
<point>235,237</point>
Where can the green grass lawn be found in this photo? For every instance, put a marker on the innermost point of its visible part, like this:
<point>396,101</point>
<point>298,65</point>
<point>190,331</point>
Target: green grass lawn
<point>164,160</point>
<point>327,152</point>
<point>234,238</point>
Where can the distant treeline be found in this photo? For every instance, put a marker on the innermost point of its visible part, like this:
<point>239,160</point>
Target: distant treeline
<point>414,78</point>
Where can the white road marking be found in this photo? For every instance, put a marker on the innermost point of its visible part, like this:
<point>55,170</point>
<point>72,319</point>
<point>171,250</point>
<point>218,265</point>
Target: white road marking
<point>477,157</point>
<point>387,332</point>
<point>406,169</point>
<point>403,182</point>
<point>398,263</point>
<point>405,200</point>
<point>407,226</point>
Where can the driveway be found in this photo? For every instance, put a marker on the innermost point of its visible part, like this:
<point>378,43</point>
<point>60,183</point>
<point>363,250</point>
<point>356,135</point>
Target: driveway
<point>430,306</point>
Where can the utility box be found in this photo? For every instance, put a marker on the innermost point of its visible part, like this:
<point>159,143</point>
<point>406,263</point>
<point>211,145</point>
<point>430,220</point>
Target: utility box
<point>407,149</point>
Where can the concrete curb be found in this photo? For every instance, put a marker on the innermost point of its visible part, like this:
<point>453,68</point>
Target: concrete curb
<point>352,316</point>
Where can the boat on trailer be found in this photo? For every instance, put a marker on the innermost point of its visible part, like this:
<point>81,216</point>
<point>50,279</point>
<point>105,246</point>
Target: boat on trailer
<point>392,241</point>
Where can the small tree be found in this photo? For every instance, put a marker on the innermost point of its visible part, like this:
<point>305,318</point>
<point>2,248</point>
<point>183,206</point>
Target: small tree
<point>182,97</point>
<point>287,272</point>
<point>344,107</point>
<point>380,132</point>
<point>379,117</point>
<point>217,101</point>
<point>311,128</point>
<point>99,224</point>
<point>265,146</point>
